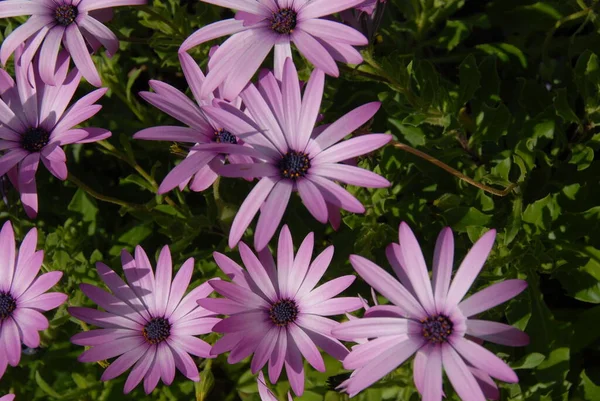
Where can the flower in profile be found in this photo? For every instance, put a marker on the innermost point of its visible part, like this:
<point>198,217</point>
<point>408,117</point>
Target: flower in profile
<point>260,25</point>
<point>263,390</point>
<point>291,159</point>
<point>53,22</point>
<point>7,397</point>
<point>35,123</point>
<point>276,313</point>
<point>23,295</point>
<point>432,320</point>
<point>147,322</point>
<point>209,141</point>
<point>365,17</point>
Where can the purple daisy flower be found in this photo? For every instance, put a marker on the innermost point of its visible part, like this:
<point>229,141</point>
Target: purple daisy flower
<point>35,123</point>
<point>276,313</point>
<point>210,140</point>
<point>263,390</point>
<point>53,22</point>
<point>290,158</point>
<point>260,25</point>
<point>432,320</point>
<point>23,296</point>
<point>146,322</point>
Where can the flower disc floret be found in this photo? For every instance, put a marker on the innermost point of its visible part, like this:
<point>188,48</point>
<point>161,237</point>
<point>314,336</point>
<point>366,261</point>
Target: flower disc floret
<point>34,139</point>
<point>283,312</point>
<point>294,164</point>
<point>65,14</point>
<point>436,329</point>
<point>157,330</point>
<point>224,136</point>
<point>7,305</point>
<point>284,21</point>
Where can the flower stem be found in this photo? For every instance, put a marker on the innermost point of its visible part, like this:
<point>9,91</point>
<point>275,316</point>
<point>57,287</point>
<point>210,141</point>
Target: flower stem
<point>120,155</point>
<point>73,179</point>
<point>453,171</point>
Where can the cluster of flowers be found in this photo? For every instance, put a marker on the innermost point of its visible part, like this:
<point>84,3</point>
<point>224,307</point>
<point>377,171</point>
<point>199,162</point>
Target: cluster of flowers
<point>239,129</point>
<point>276,313</point>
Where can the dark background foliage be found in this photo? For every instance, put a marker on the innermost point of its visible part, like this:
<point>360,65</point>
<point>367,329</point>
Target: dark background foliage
<point>505,91</point>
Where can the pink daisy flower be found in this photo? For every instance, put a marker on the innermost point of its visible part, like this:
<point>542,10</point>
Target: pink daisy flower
<point>7,397</point>
<point>23,295</point>
<point>53,22</point>
<point>263,390</point>
<point>432,320</point>
<point>260,25</point>
<point>35,123</point>
<point>147,322</point>
<point>276,313</point>
<point>290,158</point>
<point>209,140</point>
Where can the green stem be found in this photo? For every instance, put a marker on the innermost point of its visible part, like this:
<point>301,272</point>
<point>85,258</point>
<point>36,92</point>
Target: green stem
<point>572,17</point>
<point>73,179</point>
<point>118,154</point>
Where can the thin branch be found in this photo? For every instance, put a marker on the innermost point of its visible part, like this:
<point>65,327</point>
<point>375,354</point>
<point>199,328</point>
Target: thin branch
<point>73,179</point>
<point>453,171</point>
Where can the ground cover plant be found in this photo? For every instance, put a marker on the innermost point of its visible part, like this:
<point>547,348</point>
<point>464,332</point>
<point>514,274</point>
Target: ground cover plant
<point>299,200</point>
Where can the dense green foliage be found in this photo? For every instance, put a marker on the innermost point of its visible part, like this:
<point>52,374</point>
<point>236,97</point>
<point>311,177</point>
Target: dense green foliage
<point>505,91</point>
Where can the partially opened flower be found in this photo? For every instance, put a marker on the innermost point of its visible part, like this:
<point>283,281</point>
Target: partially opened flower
<point>23,296</point>
<point>209,140</point>
<point>276,313</point>
<point>53,22</point>
<point>260,25</point>
<point>365,17</point>
<point>35,123</point>
<point>290,159</point>
<point>263,390</point>
<point>432,320</point>
<point>147,323</point>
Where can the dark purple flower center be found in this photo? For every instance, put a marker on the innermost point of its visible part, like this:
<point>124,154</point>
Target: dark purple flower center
<point>284,21</point>
<point>34,139</point>
<point>436,329</point>
<point>7,305</point>
<point>157,330</point>
<point>223,136</point>
<point>294,164</point>
<point>65,14</point>
<point>283,312</point>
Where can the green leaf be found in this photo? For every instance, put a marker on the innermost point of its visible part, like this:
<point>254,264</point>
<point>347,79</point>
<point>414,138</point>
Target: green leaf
<point>563,108</point>
<point>582,335</point>
<point>492,123</point>
<point>529,361</point>
<point>542,212</point>
<point>136,235</point>
<point>453,34</point>
<point>413,135</point>
<point>461,218</point>
<point>45,387</point>
<point>139,181</point>
<point>582,156</point>
<point>469,80</point>
<point>83,204</point>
